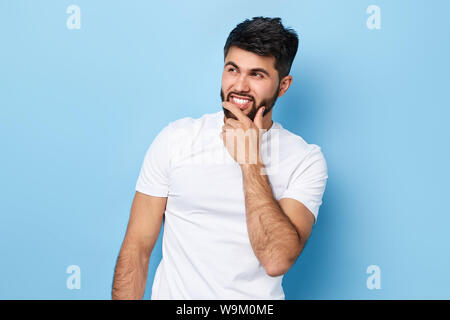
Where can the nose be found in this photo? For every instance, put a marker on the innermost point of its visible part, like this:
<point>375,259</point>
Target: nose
<point>241,84</point>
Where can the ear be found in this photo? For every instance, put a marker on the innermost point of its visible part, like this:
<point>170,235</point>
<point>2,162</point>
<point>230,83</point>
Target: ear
<point>285,83</point>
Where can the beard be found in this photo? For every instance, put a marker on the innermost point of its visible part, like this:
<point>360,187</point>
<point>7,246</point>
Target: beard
<point>268,103</point>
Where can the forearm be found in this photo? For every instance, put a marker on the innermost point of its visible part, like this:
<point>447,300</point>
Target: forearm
<point>130,275</point>
<point>273,237</point>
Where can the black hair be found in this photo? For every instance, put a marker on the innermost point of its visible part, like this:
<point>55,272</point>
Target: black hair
<point>266,37</point>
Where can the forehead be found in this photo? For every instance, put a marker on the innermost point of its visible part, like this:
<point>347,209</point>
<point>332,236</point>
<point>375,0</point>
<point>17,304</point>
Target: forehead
<point>248,60</point>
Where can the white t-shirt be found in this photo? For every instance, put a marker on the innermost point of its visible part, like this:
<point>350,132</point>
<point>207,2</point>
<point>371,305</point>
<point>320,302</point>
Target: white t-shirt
<point>206,248</point>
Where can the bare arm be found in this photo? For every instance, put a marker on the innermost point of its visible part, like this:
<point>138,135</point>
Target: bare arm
<point>145,222</point>
<point>277,230</point>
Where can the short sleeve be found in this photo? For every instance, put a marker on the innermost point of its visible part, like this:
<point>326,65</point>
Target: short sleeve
<point>153,178</point>
<point>308,180</point>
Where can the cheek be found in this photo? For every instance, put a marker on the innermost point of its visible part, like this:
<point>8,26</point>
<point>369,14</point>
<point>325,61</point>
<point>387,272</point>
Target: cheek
<point>227,81</point>
<point>263,91</point>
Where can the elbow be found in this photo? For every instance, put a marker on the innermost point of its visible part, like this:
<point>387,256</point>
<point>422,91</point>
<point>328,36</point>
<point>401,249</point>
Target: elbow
<point>280,266</point>
<point>277,269</point>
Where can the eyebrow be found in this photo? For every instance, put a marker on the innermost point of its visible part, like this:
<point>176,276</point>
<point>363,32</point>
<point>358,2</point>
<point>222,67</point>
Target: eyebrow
<point>262,70</point>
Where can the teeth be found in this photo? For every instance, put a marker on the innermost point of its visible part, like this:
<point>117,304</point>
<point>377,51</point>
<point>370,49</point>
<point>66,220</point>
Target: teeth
<point>240,101</point>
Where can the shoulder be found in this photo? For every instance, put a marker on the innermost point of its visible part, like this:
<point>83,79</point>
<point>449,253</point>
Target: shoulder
<point>297,146</point>
<point>297,155</point>
<point>185,130</point>
<point>208,119</point>
<point>303,162</point>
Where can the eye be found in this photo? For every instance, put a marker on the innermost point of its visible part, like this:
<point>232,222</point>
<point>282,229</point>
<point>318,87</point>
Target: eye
<point>231,69</point>
<point>258,75</point>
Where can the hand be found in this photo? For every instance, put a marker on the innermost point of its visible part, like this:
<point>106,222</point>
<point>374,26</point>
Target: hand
<point>235,133</point>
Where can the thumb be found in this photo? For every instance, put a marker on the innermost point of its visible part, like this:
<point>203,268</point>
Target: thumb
<point>259,118</point>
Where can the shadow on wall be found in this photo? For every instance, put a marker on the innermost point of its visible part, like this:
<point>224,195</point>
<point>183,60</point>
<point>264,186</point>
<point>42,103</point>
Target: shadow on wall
<point>309,277</point>
<point>300,112</point>
<point>298,109</point>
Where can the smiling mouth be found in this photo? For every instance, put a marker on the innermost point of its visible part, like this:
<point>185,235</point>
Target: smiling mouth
<point>241,102</point>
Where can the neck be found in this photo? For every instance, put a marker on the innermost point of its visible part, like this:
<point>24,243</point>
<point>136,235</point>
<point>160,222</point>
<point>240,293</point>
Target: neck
<point>267,125</point>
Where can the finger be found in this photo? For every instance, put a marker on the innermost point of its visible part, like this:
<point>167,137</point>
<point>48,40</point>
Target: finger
<point>227,129</point>
<point>233,123</point>
<point>236,111</point>
<point>259,118</point>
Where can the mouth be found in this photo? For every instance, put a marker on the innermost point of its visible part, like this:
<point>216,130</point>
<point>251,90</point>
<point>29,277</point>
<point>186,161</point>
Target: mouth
<point>241,102</point>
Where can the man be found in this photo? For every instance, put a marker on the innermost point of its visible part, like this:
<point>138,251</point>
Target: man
<point>239,194</point>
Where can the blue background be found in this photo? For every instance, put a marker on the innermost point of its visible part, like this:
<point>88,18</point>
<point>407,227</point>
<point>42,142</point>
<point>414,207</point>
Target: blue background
<point>79,109</point>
